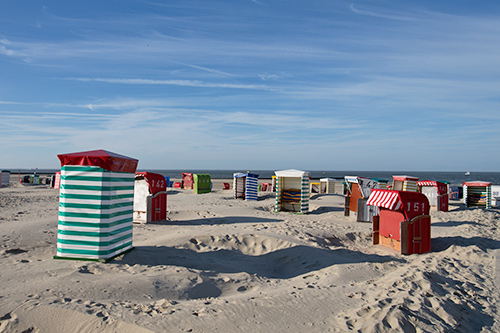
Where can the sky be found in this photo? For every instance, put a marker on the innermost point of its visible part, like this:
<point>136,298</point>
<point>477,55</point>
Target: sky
<point>253,84</point>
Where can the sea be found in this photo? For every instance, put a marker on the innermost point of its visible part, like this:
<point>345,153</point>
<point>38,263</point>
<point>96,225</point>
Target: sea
<point>454,178</point>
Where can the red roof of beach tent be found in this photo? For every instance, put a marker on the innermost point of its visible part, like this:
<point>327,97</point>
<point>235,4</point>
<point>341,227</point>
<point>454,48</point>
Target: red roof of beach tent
<point>403,178</point>
<point>100,158</point>
<point>477,183</point>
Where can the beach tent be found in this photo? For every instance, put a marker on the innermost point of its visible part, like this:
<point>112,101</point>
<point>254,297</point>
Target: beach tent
<point>292,191</point>
<point>477,194</point>
<point>57,180</point>
<point>150,197</point>
<point>245,186</point>
<point>436,192</point>
<point>96,204</point>
<point>34,179</point>
<point>187,180</point>
<point>382,183</point>
<point>359,189</point>
<point>456,192</point>
<point>404,183</point>
<point>404,223</point>
<point>331,186</point>
<point>314,187</point>
<point>5,178</point>
<point>495,195</point>
<point>202,183</point>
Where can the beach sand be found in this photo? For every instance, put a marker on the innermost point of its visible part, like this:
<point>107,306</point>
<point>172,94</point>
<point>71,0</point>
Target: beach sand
<point>226,265</point>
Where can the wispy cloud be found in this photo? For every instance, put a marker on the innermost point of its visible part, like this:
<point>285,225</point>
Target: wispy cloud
<point>206,69</point>
<point>183,83</point>
<point>197,80</point>
<point>384,15</point>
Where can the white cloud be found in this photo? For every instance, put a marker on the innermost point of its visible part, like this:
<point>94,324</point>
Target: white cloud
<point>385,15</point>
<point>182,83</point>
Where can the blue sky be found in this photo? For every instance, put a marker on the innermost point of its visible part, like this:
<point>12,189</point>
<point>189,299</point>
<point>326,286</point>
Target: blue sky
<point>311,85</point>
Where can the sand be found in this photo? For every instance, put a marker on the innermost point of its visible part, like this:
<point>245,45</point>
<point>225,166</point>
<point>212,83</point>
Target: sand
<point>226,265</point>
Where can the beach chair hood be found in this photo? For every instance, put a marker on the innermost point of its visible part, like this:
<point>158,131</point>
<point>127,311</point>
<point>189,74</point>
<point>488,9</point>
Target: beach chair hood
<point>441,187</point>
<point>411,204</point>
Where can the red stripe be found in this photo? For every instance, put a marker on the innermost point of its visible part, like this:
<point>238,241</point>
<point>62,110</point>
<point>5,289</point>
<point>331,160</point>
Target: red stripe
<point>384,198</point>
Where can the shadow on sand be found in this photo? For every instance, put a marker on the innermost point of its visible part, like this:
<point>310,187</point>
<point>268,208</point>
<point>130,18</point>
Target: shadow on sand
<point>219,220</point>
<point>326,209</point>
<point>281,264</point>
<point>442,243</point>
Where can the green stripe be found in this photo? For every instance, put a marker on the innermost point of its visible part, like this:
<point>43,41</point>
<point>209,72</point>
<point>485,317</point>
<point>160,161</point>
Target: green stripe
<point>96,188</point>
<point>82,168</point>
<point>96,179</point>
<point>94,234</point>
<point>93,252</point>
<point>95,216</point>
<point>93,243</point>
<point>94,225</point>
<point>95,206</point>
<point>96,197</point>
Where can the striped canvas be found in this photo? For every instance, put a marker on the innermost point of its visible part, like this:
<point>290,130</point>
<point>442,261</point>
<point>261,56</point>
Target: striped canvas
<point>304,205</point>
<point>4,177</point>
<point>251,188</point>
<point>292,195</point>
<point>279,190</point>
<point>57,181</point>
<point>95,213</point>
<point>384,198</point>
<point>281,193</point>
<point>410,186</point>
<point>477,196</point>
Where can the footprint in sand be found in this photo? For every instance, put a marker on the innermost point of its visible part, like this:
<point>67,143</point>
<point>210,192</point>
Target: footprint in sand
<point>15,251</point>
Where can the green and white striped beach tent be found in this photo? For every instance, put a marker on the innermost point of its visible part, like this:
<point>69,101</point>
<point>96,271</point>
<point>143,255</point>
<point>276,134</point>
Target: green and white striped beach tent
<point>477,194</point>
<point>96,204</point>
<point>292,191</point>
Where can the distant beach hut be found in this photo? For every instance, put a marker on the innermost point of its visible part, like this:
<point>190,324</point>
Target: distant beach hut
<point>57,180</point>
<point>436,192</point>
<point>331,186</point>
<point>4,178</point>
<point>150,197</point>
<point>359,189</point>
<point>292,191</point>
<point>202,183</point>
<point>495,195</point>
<point>477,194</point>
<point>404,223</point>
<point>382,183</point>
<point>96,204</point>
<point>404,183</point>
<point>314,187</point>
<point>187,180</point>
<point>34,179</point>
<point>245,186</point>
<point>456,192</point>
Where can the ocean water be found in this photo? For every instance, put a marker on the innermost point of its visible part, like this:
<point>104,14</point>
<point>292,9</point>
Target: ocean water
<point>454,178</point>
